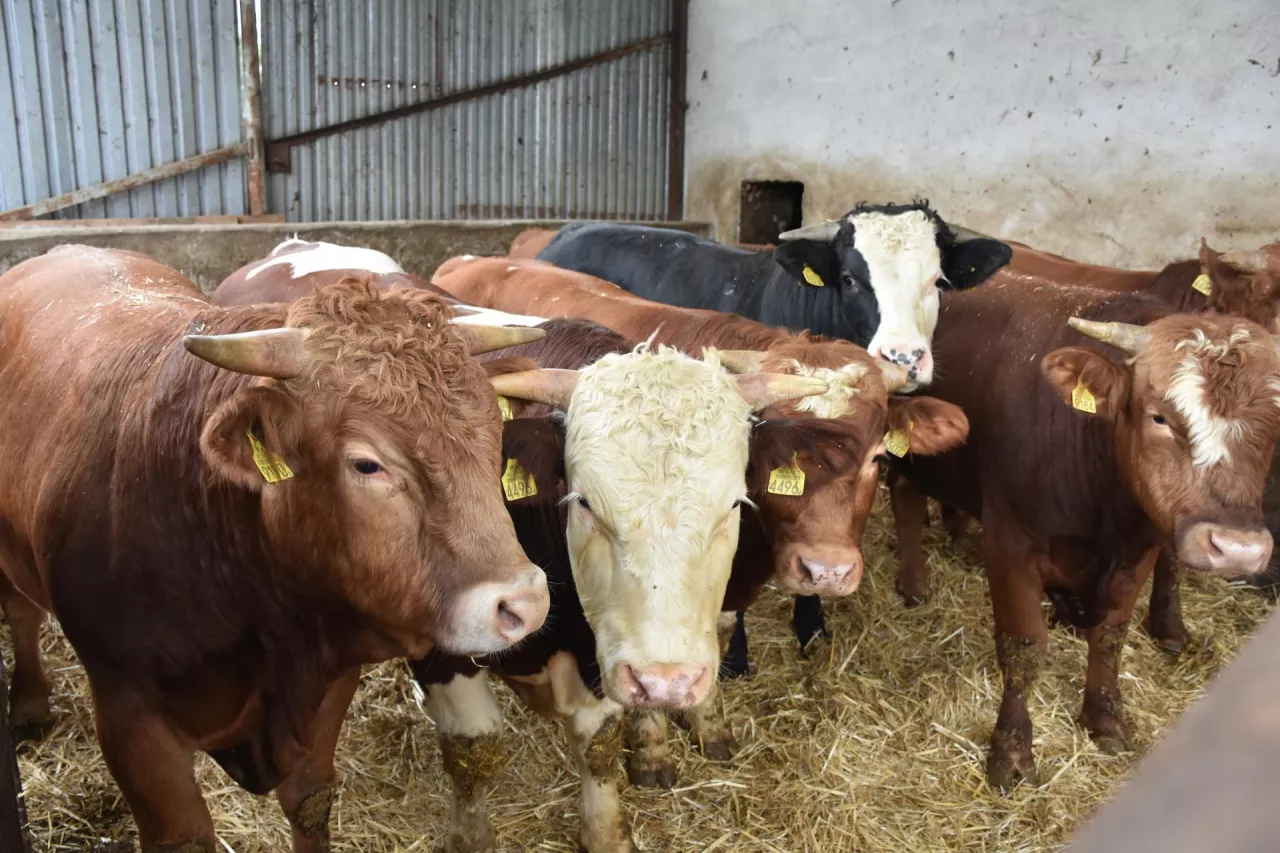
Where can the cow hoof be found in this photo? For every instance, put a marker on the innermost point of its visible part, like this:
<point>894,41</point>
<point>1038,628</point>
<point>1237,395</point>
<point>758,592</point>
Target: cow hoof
<point>1170,639</point>
<point>661,774</point>
<point>731,669</point>
<point>33,727</point>
<point>914,599</point>
<point>1005,771</point>
<point>1111,744</point>
<point>718,749</point>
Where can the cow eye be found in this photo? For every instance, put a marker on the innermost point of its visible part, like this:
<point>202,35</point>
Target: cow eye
<point>1159,420</point>
<point>848,280</point>
<point>582,502</point>
<point>367,467</point>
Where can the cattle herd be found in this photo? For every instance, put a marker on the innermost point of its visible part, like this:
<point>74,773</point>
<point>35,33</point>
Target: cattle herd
<point>574,467</point>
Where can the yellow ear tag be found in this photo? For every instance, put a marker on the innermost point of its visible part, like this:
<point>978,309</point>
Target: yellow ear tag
<point>897,441</point>
<point>787,480</point>
<point>273,467</point>
<point>1082,399</point>
<point>812,277</point>
<point>517,483</point>
<point>1202,284</point>
<point>504,406</point>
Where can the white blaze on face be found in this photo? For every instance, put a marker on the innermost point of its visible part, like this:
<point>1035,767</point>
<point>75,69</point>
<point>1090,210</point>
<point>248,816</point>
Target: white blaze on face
<point>901,252</point>
<point>656,444</point>
<point>320,257</point>
<point>1211,435</point>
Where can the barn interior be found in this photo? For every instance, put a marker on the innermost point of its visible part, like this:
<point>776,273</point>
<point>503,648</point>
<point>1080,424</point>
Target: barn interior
<point>202,133</point>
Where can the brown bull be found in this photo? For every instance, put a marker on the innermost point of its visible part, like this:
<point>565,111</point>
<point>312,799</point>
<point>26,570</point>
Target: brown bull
<point>1245,284</point>
<point>1085,459</point>
<point>225,539</point>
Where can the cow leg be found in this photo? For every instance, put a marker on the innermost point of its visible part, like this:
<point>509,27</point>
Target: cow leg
<point>155,770</point>
<point>807,619</point>
<point>910,511</point>
<point>1102,703</point>
<point>306,796</point>
<point>709,729</point>
<point>1164,620</point>
<point>1021,641</point>
<point>954,521</point>
<point>30,716</point>
<point>735,662</point>
<point>649,763</point>
<point>469,723</point>
<point>594,736</point>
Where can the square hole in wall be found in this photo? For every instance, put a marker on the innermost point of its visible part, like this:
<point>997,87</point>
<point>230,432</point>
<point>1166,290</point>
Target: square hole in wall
<point>769,208</point>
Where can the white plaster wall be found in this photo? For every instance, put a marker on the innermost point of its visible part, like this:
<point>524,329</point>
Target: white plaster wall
<point>1116,131</point>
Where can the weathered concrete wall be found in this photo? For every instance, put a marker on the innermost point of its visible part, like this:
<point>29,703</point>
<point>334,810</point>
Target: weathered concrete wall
<point>1116,132</point>
<point>208,253</point>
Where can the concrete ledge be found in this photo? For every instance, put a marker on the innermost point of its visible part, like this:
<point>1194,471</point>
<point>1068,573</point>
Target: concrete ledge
<point>208,253</point>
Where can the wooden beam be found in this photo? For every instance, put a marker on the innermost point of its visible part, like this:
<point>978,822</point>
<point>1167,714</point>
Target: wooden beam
<point>1211,783</point>
<point>129,182</point>
<point>251,107</point>
<point>677,107</point>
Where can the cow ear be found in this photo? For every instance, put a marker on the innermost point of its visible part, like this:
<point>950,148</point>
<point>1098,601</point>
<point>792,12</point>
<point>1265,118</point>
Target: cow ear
<point>972,262</point>
<point>1087,381</point>
<point>538,445</point>
<point>253,438</point>
<point>931,426</point>
<point>821,261</point>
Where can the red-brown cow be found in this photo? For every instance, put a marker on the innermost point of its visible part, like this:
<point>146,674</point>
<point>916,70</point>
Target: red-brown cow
<point>1245,284</point>
<point>226,539</point>
<point>1167,446</point>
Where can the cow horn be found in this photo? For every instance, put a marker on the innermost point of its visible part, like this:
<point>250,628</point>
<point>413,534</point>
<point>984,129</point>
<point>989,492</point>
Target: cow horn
<point>964,235</point>
<point>552,387</point>
<point>741,360</point>
<point>765,389</point>
<point>823,232</point>
<point>1124,336</point>
<point>278,353</point>
<point>489,338</point>
<point>895,376</point>
<point>1250,263</point>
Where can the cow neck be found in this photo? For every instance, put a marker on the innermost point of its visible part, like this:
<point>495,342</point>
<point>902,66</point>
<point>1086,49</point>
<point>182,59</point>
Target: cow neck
<point>1173,285</point>
<point>831,310</point>
<point>223,603</point>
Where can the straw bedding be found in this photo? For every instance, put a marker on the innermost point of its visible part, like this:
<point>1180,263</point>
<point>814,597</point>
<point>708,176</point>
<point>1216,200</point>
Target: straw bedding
<point>874,742</point>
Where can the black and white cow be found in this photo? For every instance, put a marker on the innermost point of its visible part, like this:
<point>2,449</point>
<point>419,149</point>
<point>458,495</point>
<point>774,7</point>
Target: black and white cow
<point>870,277</point>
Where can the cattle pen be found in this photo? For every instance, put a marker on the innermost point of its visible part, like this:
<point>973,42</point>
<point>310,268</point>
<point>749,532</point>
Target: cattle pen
<point>270,514</point>
<point>873,742</point>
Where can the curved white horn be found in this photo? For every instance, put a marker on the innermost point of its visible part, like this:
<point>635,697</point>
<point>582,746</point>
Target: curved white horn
<point>895,376</point>
<point>741,360</point>
<point>1124,336</point>
<point>278,353</point>
<point>552,387</point>
<point>482,339</point>
<point>964,235</point>
<point>765,389</point>
<point>823,232</point>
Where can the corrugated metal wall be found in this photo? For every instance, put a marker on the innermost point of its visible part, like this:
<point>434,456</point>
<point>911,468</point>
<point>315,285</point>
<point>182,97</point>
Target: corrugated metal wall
<point>589,144</point>
<point>100,89</point>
